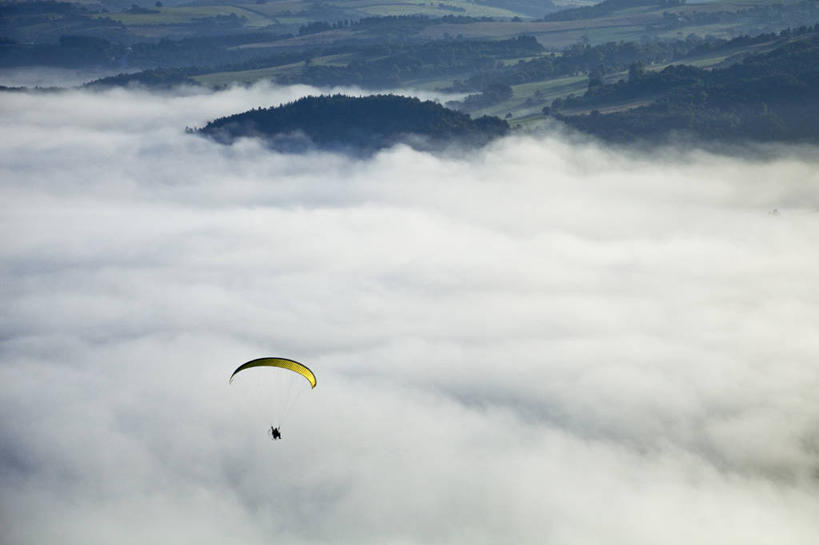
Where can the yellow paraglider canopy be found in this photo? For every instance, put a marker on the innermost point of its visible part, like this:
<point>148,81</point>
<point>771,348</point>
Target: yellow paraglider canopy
<point>282,363</point>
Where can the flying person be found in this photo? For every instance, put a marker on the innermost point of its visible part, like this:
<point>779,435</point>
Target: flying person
<point>277,363</point>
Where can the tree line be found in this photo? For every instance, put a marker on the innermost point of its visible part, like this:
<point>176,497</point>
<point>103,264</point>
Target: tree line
<point>768,97</point>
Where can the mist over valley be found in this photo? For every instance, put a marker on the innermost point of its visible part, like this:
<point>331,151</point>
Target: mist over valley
<point>632,332</point>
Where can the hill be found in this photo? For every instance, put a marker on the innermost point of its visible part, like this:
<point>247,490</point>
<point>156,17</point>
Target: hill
<point>767,97</point>
<point>356,124</point>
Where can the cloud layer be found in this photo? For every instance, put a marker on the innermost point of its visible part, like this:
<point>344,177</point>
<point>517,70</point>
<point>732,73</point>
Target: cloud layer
<point>542,342</point>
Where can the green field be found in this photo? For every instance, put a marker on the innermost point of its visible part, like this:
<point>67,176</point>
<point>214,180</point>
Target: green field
<point>546,91</point>
<point>280,8</point>
<point>552,35</point>
<point>185,15</point>
<point>433,9</point>
<point>267,13</point>
<point>297,13</point>
<point>631,24</point>
<point>220,79</point>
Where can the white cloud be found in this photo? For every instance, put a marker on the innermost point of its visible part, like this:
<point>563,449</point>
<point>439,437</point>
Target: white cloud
<point>540,342</point>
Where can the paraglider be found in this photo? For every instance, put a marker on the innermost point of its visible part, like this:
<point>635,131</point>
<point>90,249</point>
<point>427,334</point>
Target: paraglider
<point>284,363</point>
<point>277,382</point>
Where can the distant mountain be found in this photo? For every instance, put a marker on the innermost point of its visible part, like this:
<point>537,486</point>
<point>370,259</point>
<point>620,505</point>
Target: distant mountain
<point>356,124</point>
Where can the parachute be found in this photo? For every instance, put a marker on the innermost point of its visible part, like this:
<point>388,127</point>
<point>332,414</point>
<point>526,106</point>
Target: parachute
<point>284,363</point>
<point>270,387</point>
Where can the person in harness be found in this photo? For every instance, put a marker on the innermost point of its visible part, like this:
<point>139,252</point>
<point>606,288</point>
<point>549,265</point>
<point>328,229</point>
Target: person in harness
<point>275,433</point>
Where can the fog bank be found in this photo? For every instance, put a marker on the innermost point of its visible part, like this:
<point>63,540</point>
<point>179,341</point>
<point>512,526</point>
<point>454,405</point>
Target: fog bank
<point>545,341</point>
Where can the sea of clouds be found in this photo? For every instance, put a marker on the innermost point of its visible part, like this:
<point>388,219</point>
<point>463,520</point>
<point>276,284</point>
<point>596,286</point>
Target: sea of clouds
<point>545,341</point>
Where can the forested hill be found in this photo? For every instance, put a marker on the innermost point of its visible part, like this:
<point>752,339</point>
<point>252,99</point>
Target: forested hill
<point>356,124</point>
<point>768,97</point>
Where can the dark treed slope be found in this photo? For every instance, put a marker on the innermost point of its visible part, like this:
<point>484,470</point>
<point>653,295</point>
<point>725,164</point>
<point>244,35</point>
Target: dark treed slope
<point>159,78</point>
<point>377,66</point>
<point>768,97</point>
<point>441,57</point>
<point>610,57</point>
<point>357,124</point>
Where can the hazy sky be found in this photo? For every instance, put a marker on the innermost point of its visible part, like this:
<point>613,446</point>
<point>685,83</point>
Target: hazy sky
<point>544,342</point>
